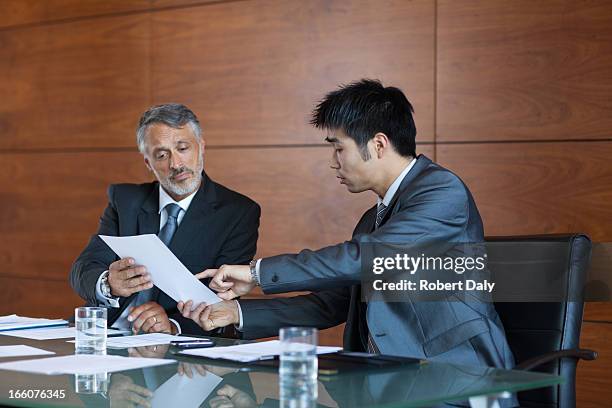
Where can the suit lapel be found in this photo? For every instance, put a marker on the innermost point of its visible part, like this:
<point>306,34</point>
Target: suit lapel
<point>148,217</point>
<point>197,218</point>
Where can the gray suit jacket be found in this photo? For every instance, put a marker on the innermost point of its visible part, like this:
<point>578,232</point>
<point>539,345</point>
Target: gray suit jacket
<point>432,204</point>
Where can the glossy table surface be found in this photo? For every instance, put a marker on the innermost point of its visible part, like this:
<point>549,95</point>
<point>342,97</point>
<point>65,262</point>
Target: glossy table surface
<point>193,382</point>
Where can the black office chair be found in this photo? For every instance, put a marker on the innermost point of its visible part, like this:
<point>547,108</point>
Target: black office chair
<point>545,336</point>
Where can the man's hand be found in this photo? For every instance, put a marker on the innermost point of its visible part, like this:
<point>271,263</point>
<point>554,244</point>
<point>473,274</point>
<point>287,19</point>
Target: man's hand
<point>150,317</point>
<point>210,317</point>
<point>231,281</point>
<point>124,393</point>
<point>157,351</point>
<point>230,397</point>
<point>189,368</point>
<point>125,278</point>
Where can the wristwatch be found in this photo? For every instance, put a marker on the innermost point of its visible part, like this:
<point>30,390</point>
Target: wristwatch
<point>105,287</point>
<point>253,270</point>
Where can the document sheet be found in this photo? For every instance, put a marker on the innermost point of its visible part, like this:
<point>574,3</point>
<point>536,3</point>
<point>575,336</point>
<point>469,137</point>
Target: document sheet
<point>21,350</point>
<point>82,364</point>
<point>182,391</point>
<point>142,340</point>
<point>167,272</point>
<point>13,322</point>
<point>51,333</point>
<point>250,352</point>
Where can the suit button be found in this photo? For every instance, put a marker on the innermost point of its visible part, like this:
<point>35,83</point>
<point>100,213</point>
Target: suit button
<point>274,278</point>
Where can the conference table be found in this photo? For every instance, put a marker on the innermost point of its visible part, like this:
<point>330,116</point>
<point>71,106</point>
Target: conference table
<point>194,382</point>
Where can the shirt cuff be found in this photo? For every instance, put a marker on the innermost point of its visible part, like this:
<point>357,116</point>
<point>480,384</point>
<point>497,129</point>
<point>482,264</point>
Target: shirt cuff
<point>106,301</point>
<point>177,325</point>
<point>239,327</point>
<point>257,275</point>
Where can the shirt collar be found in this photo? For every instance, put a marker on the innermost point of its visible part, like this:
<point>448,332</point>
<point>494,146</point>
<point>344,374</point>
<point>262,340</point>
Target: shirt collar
<point>395,185</point>
<point>165,199</point>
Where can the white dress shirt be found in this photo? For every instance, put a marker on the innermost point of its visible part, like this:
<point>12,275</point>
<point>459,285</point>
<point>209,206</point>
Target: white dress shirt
<point>164,200</point>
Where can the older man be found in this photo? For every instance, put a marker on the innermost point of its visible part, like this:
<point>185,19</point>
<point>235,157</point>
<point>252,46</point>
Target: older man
<point>203,223</point>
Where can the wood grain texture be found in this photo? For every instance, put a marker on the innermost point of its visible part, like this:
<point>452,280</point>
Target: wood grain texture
<point>22,12</point>
<point>524,70</point>
<point>79,84</point>
<point>593,381</point>
<point>51,204</point>
<point>254,70</point>
<point>37,298</point>
<point>538,188</point>
<point>598,312</point>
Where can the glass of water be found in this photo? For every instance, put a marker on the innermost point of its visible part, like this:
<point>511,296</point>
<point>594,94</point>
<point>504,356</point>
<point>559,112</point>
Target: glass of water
<point>90,325</point>
<point>298,367</point>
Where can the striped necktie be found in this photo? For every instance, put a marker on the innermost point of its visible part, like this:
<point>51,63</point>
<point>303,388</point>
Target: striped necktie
<point>380,213</point>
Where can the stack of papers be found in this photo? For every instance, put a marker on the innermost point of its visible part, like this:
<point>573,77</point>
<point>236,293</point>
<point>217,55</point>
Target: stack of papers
<point>20,350</point>
<point>245,353</point>
<point>51,333</point>
<point>14,322</point>
<point>143,340</point>
<point>82,364</point>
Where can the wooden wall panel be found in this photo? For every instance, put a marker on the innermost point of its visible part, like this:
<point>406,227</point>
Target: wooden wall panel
<point>524,70</point>
<point>29,12</point>
<point>37,297</point>
<point>77,84</point>
<point>255,69</point>
<point>20,12</point>
<point>51,204</point>
<point>593,387</point>
<point>537,188</point>
<point>598,311</point>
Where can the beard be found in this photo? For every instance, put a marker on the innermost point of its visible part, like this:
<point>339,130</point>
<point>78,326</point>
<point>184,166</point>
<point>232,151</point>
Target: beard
<point>186,187</point>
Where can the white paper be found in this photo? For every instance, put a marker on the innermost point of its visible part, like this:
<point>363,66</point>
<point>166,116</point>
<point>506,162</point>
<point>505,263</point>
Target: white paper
<point>182,391</point>
<point>21,350</point>
<point>82,364</point>
<point>167,272</point>
<point>142,340</point>
<point>250,352</point>
<point>51,333</point>
<point>13,322</point>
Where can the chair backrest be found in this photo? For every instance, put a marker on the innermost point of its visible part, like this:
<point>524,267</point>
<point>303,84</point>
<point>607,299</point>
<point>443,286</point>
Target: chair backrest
<point>533,329</point>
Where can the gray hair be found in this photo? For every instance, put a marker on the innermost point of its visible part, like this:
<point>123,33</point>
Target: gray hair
<point>174,115</point>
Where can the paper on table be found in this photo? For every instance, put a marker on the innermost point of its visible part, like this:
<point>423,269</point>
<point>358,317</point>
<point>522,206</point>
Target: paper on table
<point>249,352</point>
<point>21,350</point>
<point>167,272</point>
<point>82,364</point>
<point>182,391</point>
<point>142,340</point>
<point>14,322</point>
<point>50,333</point>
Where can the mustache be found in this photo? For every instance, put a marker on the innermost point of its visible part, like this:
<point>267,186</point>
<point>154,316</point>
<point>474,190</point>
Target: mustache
<point>180,170</point>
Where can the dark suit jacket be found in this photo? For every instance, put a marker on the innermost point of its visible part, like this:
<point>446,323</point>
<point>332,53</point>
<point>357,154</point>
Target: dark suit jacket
<point>219,227</point>
<point>431,205</point>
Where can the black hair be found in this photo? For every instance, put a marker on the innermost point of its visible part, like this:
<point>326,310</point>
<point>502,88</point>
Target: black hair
<point>362,109</point>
